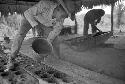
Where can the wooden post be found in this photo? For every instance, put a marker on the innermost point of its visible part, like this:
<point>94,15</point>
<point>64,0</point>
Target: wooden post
<point>75,29</point>
<point>112,9</point>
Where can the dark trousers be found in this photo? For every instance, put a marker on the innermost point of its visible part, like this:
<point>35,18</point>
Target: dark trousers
<point>86,27</point>
<point>94,28</point>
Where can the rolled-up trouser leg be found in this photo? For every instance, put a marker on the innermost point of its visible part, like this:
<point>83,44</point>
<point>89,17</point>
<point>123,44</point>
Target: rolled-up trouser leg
<point>25,27</point>
<point>86,27</point>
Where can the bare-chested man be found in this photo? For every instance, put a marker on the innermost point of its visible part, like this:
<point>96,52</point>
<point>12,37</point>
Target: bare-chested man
<point>92,17</point>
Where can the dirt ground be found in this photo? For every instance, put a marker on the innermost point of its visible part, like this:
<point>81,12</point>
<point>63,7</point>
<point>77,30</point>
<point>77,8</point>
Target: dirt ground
<point>108,58</point>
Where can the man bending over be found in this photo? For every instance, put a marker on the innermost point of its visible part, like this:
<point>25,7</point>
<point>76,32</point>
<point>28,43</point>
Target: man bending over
<point>47,13</point>
<point>92,17</point>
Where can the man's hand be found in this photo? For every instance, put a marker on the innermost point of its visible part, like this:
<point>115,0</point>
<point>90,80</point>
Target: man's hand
<point>95,23</point>
<point>99,30</point>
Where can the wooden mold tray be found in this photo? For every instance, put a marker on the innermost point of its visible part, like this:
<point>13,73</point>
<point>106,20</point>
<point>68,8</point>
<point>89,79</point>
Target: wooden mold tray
<point>84,43</point>
<point>15,75</point>
<point>45,72</point>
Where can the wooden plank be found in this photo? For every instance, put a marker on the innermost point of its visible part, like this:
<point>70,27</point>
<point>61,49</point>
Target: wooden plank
<point>84,43</point>
<point>112,9</point>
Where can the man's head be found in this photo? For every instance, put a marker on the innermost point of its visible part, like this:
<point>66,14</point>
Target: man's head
<point>101,12</point>
<point>73,7</point>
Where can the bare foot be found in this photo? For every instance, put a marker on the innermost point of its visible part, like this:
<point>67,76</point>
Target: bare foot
<point>8,66</point>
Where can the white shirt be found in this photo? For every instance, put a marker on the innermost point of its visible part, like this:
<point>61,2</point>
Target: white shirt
<point>41,12</point>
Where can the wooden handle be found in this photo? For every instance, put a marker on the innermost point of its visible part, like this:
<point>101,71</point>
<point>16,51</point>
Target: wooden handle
<point>63,5</point>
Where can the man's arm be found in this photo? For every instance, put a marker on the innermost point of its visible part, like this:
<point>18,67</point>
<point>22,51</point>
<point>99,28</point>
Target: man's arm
<point>56,30</point>
<point>52,37</point>
<point>98,20</point>
<point>63,5</point>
